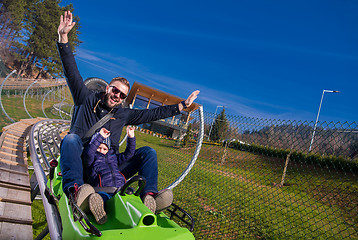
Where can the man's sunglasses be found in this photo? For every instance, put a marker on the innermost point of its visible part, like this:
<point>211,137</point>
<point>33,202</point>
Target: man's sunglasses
<point>115,90</point>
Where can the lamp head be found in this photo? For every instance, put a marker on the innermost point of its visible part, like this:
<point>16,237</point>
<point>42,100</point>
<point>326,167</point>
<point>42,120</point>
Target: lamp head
<point>331,91</point>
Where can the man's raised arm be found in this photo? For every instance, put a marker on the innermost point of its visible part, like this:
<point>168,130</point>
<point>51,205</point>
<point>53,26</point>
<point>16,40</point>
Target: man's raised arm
<point>73,76</point>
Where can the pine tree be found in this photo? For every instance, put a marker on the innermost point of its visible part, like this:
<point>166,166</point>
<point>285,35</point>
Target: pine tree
<point>220,127</point>
<point>187,136</point>
<point>34,46</point>
<point>11,17</point>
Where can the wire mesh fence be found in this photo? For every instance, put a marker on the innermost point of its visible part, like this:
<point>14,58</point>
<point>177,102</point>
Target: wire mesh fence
<point>257,179</point>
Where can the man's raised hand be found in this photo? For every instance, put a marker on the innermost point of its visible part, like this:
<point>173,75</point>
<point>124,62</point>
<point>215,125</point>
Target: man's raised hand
<point>189,100</point>
<point>65,26</point>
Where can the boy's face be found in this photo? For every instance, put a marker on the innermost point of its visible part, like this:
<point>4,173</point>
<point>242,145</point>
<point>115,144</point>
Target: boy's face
<point>102,149</point>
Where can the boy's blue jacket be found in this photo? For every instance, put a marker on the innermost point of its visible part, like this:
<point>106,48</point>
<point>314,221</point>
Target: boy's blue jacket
<point>102,170</point>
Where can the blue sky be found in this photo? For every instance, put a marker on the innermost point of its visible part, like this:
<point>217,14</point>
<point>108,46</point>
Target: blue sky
<point>264,59</point>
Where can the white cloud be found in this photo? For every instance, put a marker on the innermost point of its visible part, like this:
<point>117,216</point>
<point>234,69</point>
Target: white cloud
<point>87,55</point>
<point>240,41</point>
<point>234,104</point>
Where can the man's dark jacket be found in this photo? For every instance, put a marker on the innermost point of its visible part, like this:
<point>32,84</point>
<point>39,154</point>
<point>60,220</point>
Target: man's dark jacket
<point>85,101</point>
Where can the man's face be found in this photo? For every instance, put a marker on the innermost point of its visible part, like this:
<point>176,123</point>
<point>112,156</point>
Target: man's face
<point>115,93</point>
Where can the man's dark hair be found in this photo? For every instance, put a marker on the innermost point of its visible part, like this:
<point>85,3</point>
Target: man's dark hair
<point>122,80</point>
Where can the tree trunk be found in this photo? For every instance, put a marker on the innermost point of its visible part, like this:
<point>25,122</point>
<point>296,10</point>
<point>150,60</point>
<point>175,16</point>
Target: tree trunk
<point>285,169</point>
<point>225,152</point>
<point>21,69</point>
<point>40,71</point>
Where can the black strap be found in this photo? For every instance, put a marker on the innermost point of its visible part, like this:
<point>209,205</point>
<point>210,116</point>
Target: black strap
<point>106,189</point>
<point>99,124</point>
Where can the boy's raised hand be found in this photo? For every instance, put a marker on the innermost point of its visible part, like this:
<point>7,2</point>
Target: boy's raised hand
<point>104,132</point>
<point>130,131</point>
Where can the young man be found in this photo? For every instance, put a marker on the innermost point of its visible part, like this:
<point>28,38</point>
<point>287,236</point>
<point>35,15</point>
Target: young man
<point>89,109</point>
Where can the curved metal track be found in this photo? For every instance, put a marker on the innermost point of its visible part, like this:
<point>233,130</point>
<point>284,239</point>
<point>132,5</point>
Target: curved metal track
<point>2,85</point>
<point>44,142</point>
<point>196,153</point>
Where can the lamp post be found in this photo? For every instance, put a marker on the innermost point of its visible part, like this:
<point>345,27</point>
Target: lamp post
<point>213,121</point>
<point>319,109</point>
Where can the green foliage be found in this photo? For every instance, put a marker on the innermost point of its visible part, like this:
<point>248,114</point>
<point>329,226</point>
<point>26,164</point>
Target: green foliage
<point>220,127</point>
<point>187,136</point>
<point>329,161</point>
<point>32,34</point>
<point>15,14</point>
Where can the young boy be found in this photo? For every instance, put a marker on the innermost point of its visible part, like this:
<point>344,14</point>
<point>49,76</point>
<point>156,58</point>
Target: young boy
<point>101,166</point>
<point>102,162</point>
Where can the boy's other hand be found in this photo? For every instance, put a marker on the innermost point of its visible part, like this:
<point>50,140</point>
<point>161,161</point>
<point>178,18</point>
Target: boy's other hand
<point>130,131</point>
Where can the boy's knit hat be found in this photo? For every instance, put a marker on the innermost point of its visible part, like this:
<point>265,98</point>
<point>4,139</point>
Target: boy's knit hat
<point>106,141</point>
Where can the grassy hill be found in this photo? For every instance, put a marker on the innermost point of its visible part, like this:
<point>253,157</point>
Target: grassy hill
<point>14,107</point>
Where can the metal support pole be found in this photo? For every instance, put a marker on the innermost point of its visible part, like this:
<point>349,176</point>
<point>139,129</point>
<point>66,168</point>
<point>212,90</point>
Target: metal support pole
<point>2,85</point>
<point>25,98</point>
<point>43,100</point>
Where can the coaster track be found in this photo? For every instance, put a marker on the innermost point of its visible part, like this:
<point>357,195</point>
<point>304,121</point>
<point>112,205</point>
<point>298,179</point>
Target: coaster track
<point>44,144</point>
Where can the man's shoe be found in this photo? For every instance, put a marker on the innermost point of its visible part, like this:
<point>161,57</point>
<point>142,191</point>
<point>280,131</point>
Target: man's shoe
<point>163,199</point>
<point>149,202</point>
<point>96,205</point>
<point>81,195</point>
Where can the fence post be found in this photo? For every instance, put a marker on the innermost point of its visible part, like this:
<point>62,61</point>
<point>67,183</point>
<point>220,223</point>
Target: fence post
<point>285,168</point>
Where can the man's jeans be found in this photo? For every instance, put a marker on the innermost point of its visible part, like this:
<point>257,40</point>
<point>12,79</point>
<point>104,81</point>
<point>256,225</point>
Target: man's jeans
<point>144,162</point>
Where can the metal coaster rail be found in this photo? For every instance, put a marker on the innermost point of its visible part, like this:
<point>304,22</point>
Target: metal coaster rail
<point>44,141</point>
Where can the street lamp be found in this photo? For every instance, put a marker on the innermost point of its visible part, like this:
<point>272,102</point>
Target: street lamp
<point>213,121</point>
<point>319,109</point>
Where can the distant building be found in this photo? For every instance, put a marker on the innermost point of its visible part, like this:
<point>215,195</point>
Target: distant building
<point>145,97</point>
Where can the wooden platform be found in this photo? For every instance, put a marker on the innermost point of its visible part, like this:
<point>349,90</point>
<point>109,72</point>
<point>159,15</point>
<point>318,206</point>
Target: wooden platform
<point>15,200</point>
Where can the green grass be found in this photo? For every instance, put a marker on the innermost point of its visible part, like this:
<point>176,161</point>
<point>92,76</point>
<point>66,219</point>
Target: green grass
<point>38,212</point>
<point>240,199</point>
<point>39,219</point>
<point>14,107</point>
